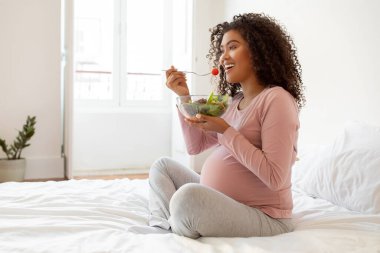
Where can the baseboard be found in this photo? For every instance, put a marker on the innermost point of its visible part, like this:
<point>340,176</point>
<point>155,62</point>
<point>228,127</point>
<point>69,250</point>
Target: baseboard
<point>44,179</point>
<point>109,172</point>
<point>44,168</point>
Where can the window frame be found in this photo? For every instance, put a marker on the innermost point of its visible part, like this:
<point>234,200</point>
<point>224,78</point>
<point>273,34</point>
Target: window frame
<point>119,83</point>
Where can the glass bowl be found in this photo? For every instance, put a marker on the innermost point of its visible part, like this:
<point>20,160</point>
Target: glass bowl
<point>211,105</point>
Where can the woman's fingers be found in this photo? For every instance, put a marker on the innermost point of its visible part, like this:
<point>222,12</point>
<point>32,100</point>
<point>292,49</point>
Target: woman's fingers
<point>195,122</point>
<point>208,123</point>
<point>175,79</point>
<point>170,71</point>
<point>176,75</point>
<point>173,72</point>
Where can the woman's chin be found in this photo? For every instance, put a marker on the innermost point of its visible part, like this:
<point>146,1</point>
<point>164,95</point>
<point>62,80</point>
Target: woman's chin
<point>232,77</point>
<point>231,80</point>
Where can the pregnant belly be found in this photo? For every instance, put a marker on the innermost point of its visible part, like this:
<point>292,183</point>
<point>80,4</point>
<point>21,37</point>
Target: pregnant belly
<point>225,174</point>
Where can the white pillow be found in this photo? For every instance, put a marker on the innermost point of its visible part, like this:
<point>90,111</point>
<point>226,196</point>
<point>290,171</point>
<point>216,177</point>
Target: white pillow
<point>347,172</point>
<point>308,162</point>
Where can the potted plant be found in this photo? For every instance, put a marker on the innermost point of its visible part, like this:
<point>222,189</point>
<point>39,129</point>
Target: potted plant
<point>12,168</point>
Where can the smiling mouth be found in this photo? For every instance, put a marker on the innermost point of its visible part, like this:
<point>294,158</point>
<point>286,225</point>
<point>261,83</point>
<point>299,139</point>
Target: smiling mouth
<point>227,67</point>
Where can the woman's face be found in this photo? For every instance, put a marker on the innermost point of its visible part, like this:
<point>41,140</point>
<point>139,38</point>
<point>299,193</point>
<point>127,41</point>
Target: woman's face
<point>235,57</point>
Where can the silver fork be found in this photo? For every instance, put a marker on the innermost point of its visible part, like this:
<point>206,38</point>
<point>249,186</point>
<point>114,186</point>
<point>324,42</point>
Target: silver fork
<point>191,72</point>
<point>156,74</point>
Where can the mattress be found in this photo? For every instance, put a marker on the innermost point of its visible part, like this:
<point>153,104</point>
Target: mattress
<point>94,216</point>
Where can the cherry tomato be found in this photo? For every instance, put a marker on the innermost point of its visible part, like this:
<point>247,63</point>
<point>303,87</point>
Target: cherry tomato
<point>215,71</point>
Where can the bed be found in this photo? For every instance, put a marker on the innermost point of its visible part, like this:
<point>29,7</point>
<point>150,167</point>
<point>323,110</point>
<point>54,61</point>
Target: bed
<point>94,215</point>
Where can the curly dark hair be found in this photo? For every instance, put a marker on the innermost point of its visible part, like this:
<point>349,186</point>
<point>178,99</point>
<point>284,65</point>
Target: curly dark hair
<point>273,54</point>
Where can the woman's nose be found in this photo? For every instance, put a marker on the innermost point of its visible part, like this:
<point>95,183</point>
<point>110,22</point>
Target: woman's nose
<point>223,57</point>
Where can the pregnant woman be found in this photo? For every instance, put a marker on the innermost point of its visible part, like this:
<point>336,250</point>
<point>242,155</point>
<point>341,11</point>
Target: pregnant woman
<point>244,188</point>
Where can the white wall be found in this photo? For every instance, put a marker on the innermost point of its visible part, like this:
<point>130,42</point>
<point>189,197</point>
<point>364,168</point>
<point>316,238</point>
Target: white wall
<point>30,80</point>
<point>206,15</point>
<point>338,47</point>
<point>119,140</point>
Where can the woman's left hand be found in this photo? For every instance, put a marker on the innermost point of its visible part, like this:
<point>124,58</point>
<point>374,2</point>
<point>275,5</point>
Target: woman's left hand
<point>208,123</point>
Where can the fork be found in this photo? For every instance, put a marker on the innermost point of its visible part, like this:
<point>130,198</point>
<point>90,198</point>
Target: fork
<point>191,72</point>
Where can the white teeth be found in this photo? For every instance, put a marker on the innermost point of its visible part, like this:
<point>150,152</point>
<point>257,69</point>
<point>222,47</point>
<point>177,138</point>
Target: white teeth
<point>228,66</point>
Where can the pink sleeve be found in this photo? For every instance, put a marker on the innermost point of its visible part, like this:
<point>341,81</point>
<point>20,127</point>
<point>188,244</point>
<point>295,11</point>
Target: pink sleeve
<point>279,132</point>
<point>196,139</point>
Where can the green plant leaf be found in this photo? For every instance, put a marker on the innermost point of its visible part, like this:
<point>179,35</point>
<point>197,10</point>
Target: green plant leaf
<point>21,141</point>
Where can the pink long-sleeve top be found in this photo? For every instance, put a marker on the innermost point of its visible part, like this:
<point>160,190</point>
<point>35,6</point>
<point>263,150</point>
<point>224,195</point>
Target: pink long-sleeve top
<point>252,159</point>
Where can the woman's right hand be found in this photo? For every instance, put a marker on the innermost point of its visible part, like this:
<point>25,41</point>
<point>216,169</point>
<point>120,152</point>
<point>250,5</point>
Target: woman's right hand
<point>176,81</point>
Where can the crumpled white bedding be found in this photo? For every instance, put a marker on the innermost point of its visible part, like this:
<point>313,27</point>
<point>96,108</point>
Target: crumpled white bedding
<point>93,216</point>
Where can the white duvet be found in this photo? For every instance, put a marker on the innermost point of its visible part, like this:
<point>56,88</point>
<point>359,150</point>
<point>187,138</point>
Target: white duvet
<point>93,216</point>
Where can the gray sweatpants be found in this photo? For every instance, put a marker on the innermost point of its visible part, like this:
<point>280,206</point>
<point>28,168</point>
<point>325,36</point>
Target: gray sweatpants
<point>177,200</point>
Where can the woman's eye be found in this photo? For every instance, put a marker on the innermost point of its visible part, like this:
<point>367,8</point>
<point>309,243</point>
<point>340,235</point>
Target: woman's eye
<point>232,47</point>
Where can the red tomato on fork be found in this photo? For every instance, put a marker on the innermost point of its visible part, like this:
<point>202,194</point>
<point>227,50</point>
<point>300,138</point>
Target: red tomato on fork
<point>215,71</point>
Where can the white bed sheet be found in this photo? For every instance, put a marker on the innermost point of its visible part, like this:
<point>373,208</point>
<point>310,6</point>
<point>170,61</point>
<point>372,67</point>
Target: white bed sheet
<point>93,215</point>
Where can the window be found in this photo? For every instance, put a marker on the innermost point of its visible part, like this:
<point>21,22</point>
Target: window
<point>120,52</point>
